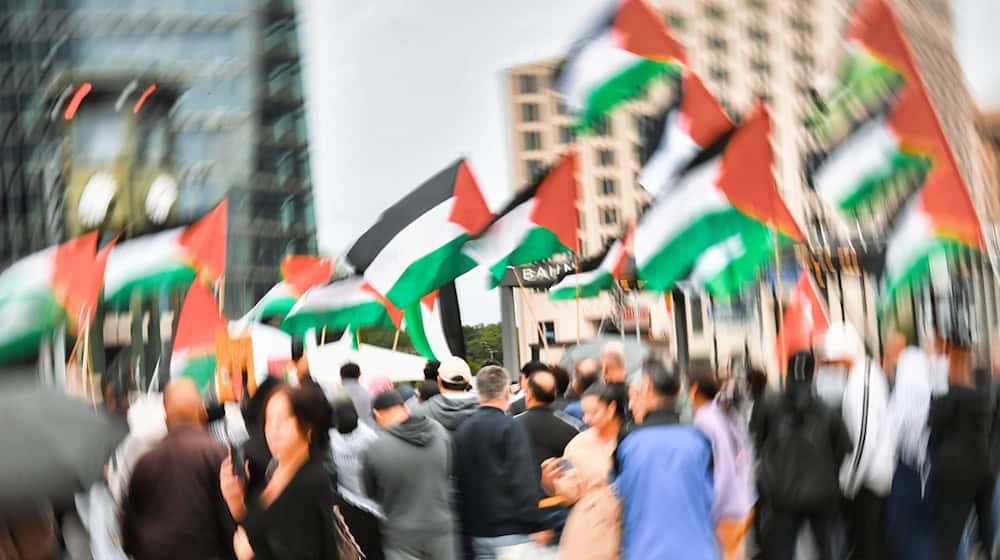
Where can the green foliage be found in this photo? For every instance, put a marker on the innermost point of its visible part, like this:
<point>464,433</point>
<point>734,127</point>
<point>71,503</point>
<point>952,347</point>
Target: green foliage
<point>482,343</point>
<point>381,336</point>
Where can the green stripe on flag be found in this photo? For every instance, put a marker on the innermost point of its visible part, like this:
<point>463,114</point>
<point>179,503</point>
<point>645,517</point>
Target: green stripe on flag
<point>430,272</point>
<point>733,279</point>
<point>626,85</point>
<point>148,286</point>
<point>919,270</point>
<point>200,369</point>
<point>538,244</point>
<point>370,314</point>
<point>414,322</point>
<point>590,286</point>
<point>905,167</point>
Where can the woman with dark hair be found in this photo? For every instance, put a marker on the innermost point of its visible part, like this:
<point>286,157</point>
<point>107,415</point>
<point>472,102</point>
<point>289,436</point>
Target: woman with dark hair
<point>581,477</point>
<point>292,515</point>
<point>348,441</point>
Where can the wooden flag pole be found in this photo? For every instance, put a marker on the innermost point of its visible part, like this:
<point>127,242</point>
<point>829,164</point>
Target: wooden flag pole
<point>322,336</point>
<point>531,310</point>
<point>576,260</point>
<point>395,340</point>
<point>779,294</point>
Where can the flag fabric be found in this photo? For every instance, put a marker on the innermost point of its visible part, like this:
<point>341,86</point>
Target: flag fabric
<point>935,222</point>
<point>858,171</point>
<point>617,61</point>
<point>725,269</point>
<point>805,320</point>
<point>728,188</point>
<point>415,247</point>
<point>590,283</point>
<point>58,286</point>
<point>172,258</point>
<point>679,133</point>
<point>335,306</point>
<point>299,273</point>
<point>435,326</point>
<point>194,343</point>
<point>541,221</point>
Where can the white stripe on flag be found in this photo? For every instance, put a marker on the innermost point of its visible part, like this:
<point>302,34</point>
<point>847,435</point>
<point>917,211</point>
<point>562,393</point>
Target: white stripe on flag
<point>503,237</point>
<point>142,257</point>
<point>863,153</point>
<point>594,65</point>
<point>715,260</point>
<point>675,150</point>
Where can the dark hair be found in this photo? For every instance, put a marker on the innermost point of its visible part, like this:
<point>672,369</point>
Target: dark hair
<point>490,363</point>
<point>311,411</point>
<point>453,386</point>
<point>350,370</point>
<point>757,380</point>
<point>298,348</point>
<point>427,390</point>
<point>533,366</point>
<point>666,381</point>
<point>610,393</point>
<point>431,370</point>
<point>702,374</point>
<point>562,379</point>
<point>345,415</point>
<point>539,393</point>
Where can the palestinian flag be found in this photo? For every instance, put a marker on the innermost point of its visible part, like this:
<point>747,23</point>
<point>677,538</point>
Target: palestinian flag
<point>679,133</point>
<point>339,304</point>
<point>859,172</point>
<point>415,247</point>
<point>725,269</point>
<point>805,320</point>
<point>940,220</point>
<point>435,326</point>
<point>171,258</point>
<point>299,273</point>
<point>724,191</point>
<point>617,61</point>
<point>58,286</point>
<point>541,221</point>
<point>194,343</point>
<point>591,283</point>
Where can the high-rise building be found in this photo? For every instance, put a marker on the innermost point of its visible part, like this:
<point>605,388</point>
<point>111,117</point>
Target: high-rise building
<point>780,52</point>
<point>221,81</point>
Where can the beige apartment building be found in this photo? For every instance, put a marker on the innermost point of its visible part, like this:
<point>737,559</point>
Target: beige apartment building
<point>774,50</point>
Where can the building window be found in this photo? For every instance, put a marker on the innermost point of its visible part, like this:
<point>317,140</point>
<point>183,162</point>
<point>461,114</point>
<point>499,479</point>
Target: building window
<point>719,74</point>
<point>697,319</point>
<point>567,134</point>
<point>528,83</point>
<point>607,186</point>
<point>532,140</point>
<point>548,329</point>
<point>803,58</point>
<point>676,22</point>
<point>757,34</point>
<point>529,112</point>
<point>534,168</point>
<point>758,4</point>
<point>763,96</point>
<point>605,157</point>
<point>801,25</point>
<point>561,107</point>
<point>602,127</point>
<point>761,66</point>
<point>714,12</point>
<point>717,43</point>
<point>609,216</point>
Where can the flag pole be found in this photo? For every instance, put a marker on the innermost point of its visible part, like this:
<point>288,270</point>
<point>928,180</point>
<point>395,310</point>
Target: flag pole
<point>779,294</point>
<point>531,310</point>
<point>576,260</point>
<point>635,295</point>
<point>322,336</point>
<point>395,340</point>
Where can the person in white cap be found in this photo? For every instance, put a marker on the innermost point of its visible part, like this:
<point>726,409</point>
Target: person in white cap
<point>455,402</point>
<point>866,475</point>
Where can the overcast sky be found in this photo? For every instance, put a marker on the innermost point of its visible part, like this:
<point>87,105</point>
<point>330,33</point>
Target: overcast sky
<point>397,89</point>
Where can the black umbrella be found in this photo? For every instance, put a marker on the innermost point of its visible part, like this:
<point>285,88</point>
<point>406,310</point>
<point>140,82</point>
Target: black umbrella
<point>52,444</point>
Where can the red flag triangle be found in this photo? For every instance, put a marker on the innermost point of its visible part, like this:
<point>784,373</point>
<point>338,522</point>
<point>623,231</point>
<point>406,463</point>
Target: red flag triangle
<point>555,202</point>
<point>199,321</point>
<point>805,320</point>
<point>305,271</point>
<point>205,243</point>
<point>639,28</point>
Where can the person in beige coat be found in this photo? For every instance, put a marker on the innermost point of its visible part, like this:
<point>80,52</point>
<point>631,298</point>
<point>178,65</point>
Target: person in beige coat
<point>580,477</point>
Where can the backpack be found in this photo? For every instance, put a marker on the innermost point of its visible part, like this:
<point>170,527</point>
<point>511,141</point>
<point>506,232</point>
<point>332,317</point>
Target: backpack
<point>798,468</point>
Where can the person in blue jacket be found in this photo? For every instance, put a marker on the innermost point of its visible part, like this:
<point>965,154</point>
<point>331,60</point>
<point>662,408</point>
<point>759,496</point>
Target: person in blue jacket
<point>664,476</point>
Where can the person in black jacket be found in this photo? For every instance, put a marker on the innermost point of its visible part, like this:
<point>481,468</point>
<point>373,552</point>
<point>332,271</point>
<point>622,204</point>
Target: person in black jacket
<point>292,516</point>
<point>961,475</point>
<point>801,444</point>
<point>496,507</point>
<point>548,432</point>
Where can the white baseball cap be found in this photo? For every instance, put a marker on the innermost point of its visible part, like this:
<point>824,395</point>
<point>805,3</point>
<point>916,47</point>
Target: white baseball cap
<point>455,370</point>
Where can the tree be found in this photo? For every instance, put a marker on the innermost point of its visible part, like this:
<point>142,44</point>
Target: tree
<point>482,342</point>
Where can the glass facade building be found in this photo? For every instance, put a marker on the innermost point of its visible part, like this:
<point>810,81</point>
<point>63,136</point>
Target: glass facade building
<point>233,124</point>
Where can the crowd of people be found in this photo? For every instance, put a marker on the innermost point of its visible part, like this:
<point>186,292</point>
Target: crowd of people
<point>852,458</point>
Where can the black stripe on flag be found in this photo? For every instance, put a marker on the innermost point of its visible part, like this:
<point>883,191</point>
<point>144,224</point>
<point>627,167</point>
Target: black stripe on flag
<point>429,194</point>
<point>451,319</point>
<point>601,25</point>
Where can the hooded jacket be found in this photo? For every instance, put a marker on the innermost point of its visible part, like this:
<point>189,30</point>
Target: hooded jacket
<point>866,416</point>
<point>407,471</point>
<point>449,410</point>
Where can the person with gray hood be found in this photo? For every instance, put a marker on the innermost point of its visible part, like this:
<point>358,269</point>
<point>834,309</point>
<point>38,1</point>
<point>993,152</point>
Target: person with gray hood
<point>454,403</point>
<point>406,470</point>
